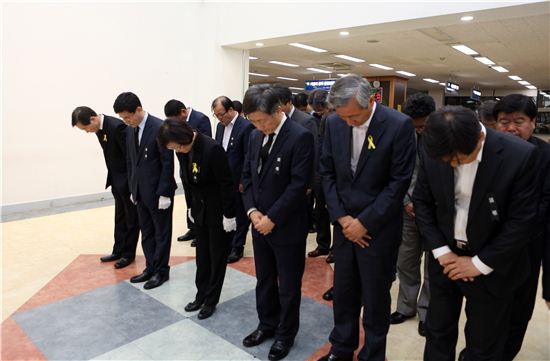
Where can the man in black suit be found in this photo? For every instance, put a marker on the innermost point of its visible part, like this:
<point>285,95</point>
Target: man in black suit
<point>275,178</point>
<point>366,167</point>
<point>200,122</point>
<point>207,176</point>
<point>232,133</point>
<point>152,186</point>
<point>111,133</point>
<point>475,206</point>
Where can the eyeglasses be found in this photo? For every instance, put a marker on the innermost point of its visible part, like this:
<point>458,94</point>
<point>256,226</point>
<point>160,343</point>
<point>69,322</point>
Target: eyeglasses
<point>517,122</point>
<point>219,116</point>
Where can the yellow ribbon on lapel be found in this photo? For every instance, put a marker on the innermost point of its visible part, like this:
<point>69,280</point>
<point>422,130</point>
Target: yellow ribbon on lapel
<point>371,143</point>
<point>104,137</point>
<point>195,169</point>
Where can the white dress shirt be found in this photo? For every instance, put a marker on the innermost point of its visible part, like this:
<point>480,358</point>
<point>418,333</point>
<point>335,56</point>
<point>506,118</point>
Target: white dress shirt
<point>359,134</point>
<point>291,112</point>
<point>227,132</point>
<point>101,117</point>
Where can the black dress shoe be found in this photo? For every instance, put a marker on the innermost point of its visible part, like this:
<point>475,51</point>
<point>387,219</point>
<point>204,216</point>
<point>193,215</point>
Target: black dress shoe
<point>317,252</point>
<point>188,236</point>
<point>279,350</point>
<point>123,262</point>
<point>235,255</point>
<point>144,276</point>
<point>328,296</point>
<point>110,258</point>
<point>206,311</point>
<point>156,281</point>
<point>193,306</point>
<point>333,357</point>
<point>396,318</point>
<point>330,258</point>
<point>256,338</point>
<point>462,355</point>
<point>421,329</point>
<point>193,243</point>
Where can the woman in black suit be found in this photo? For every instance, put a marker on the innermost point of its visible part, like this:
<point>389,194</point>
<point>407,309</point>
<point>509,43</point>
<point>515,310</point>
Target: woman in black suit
<point>207,175</point>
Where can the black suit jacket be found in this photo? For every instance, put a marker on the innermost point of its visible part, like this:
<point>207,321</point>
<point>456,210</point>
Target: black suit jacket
<point>207,177</point>
<point>200,122</point>
<point>237,146</point>
<point>151,168</point>
<point>310,123</point>
<point>112,139</point>
<point>506,175</point>
<point>374,194</point>
<point>280,190</point>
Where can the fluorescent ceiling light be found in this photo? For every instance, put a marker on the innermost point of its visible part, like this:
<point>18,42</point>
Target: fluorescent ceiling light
<point>500,69</point>
<point>260,44</point>
<point>524,82</point>
<point>257,74</point>
<point>381,66</point>
<point>514,77</point>
<point>350,58</point>
<point>293,87</point>
<point>307,47</point>
<point>284,64</point>
<point>320,70</point>
<point>441,83</point>
<point>431,80</point>
<point>285,78</point>
<point>406,73</point>
<point>484,60</point>
<point>464,49</point>
<point>341,75</point>
<point>531,87</point>
<point>252,58</point>
<point>467,18</point>
<point>344,33</point>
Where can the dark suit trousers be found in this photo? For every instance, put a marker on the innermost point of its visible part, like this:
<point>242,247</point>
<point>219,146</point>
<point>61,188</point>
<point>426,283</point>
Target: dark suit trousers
<point>156,236</point>
<point>243,222</point>
<point>126,224</point>
<point>321,217</point>
<point>213,245</point>
<point>364,280</point>
<point>487,322</point>
<point>278,303</point>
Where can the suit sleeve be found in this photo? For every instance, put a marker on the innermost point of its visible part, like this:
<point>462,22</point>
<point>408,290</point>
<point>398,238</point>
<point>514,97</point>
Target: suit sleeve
<point>205,127</point>
<point>222,173</point>
<point>245,146</point>
<point>167,184</point>
<point>390,200</point>
<point>246,177</point>
<point>311,125</point>
<point>121,138</point>
<point>546,254</point>
<point>300,172</point>
<point>129,168</point>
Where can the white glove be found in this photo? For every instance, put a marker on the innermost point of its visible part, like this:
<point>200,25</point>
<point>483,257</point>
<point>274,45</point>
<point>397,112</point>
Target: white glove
<point>190,216</point>
<point>229,224</point>
<point>132,199</point>
<point>164,202</point>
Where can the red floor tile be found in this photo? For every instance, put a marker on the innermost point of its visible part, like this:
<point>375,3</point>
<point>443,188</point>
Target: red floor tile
<point>16,345</point>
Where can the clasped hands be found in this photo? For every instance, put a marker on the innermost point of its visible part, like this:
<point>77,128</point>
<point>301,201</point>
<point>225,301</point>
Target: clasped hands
<point>458,267</point>
<point>355,231</point>
<point>261,222</point>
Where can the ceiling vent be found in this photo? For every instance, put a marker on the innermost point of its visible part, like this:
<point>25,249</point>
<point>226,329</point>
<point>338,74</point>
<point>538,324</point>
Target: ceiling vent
<point>335,66</point>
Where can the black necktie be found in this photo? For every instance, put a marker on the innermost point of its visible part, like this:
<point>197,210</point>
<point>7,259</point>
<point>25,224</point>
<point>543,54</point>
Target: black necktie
<point>264,152</point>
<point>136,138</point>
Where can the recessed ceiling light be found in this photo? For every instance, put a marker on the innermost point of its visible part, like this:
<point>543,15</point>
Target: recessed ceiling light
<point>500,69</point>
<point>381,66</point>
<point>284,64</point>
<point>464,49</point>
<point>431,80</point>
<point>350,58</point>
<point>285,78</point>
<point>344,33</point>
<point>320,70</point>
<point>257,74</point>
<point>524,82</point>
<point>308,47</point>
<point>467,18</point>
<point>484,60</point>
<point>293,87</point>
<point>252,58</point>
<point>259,44</point>
<point>531,87</point>
<point>514,77</point>
<point>406,73</point>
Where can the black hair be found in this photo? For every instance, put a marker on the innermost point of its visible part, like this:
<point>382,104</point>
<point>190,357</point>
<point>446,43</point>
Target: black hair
<point>126,102</point>
<point>224,101</point>
<point>451,130</point>
<point>174,130</point>
<point>261,98</point>
<point>173,108</point>
<point>238,106</point>
<point>285,95</point>
<point>318,97</point>
<point>516,103</point>
<point>82,115</point>
<point>300,100</point>
<point>419,105</point>
<point>485,110</point>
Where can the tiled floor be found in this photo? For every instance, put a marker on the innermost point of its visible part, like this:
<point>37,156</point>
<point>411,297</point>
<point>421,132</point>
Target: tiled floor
<point>60,303</point>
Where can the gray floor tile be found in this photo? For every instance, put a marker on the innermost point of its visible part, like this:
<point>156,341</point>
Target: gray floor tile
<point>126,352</point>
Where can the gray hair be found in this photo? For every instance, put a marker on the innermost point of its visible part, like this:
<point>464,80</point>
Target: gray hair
<point>348,87</point>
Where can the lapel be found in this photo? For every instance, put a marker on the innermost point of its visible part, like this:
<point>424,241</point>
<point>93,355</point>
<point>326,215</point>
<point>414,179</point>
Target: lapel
<point>145,136</point>
<point>219,133</point>
<point>376,129</point>
<point>279,141</point>
<point>347,144</point>
<point>447,179</point>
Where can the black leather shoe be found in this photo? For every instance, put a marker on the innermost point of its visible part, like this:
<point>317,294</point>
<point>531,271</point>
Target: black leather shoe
<point>330,258</point>
<point>123,262</point>
<point>396,318</point>
<point>144,276</point>
<point>317,252</point>
<point>156,281</point>
<point>256,338</point>
<point>193,306</point>
<point>328,296</point>
<point>206,311</point>
<point>421,329</point>
<point>110,258</point>
<point>462,355</point>
<point>188,236</point>
<point>235,255</point>
<point>193,243</point>
<point>279,350</point>
<point>333,357</point>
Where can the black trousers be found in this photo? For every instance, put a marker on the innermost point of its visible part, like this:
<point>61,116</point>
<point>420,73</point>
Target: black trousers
<point>213,245</point>
<point>156,236</point>
<point>243,222</point>
<point>279,271</point>
<point>322,220</point>
<point>487,324</point>
<point>126,224</point>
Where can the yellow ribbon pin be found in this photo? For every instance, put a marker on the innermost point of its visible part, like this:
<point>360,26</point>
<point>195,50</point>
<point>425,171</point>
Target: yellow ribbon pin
<point>195,169</point>
<point>371,143</point>
<point>104,137</point>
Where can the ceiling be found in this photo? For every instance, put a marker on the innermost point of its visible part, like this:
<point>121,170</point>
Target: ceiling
<point>517,38</point>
